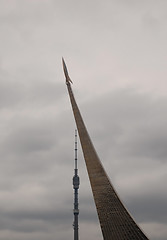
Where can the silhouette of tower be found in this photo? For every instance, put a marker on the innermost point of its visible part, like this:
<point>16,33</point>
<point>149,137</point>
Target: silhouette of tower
<point>115,220</point>
<point>76,183</point>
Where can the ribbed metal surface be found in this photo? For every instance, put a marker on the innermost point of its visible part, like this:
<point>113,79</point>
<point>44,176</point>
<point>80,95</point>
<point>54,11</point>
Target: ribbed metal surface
<point>116,223</point>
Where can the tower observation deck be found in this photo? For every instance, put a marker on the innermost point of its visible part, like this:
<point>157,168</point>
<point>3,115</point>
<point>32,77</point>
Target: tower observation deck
<point>115,221</point>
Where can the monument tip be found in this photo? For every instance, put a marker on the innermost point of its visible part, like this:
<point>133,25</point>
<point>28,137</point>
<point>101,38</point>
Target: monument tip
<point>68,80</point>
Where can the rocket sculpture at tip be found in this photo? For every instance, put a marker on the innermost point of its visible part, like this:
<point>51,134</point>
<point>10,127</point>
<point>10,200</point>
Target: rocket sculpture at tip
<point>66,72</point>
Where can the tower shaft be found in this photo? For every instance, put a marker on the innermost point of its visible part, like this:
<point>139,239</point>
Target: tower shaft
<point>76,183</point>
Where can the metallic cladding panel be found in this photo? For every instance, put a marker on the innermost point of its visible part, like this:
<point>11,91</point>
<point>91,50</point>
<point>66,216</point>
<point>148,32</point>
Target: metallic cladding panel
<point>115,221</point>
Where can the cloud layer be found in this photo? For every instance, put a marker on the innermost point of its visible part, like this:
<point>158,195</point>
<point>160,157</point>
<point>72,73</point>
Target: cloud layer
<point>116,55</point>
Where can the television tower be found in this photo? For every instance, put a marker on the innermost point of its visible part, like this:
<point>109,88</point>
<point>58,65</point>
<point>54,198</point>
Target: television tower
<point>76,183</point>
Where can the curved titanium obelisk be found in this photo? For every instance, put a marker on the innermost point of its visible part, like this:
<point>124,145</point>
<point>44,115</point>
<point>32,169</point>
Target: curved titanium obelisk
<point>116,222</point>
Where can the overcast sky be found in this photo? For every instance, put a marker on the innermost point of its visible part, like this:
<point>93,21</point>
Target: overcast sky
<point>116,54</point>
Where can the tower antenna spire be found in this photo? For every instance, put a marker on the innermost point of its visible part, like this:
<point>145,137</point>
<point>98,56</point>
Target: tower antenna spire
<point>76,183</point>
<point>76,167</point>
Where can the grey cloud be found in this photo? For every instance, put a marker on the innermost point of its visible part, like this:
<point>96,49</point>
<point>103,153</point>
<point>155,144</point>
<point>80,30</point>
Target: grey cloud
<point>28,91</point>
<point>31,138</point>
<point>108,45</point>
<point>10,93</point>
<point>22,225</point>
<point>55,216</point>
<point>135,122</point>
<point>150,209</point>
